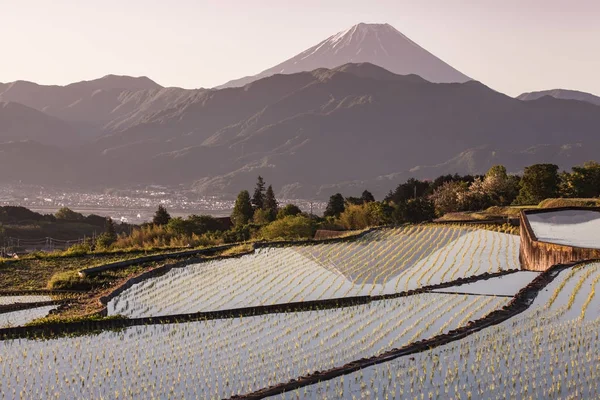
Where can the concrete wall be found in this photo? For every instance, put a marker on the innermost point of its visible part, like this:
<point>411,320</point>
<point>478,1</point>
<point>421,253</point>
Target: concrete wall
<point>540,256</point>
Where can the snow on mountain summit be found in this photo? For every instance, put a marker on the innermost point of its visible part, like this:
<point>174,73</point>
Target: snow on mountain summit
<point>379,44</point>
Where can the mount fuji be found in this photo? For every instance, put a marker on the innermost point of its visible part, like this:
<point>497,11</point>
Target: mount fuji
<point>379,44</point>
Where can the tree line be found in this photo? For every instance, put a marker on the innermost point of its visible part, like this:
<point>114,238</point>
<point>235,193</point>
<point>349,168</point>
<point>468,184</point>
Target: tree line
<point>421,200</point>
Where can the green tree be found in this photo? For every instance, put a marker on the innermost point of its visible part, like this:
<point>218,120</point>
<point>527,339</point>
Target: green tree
<point>289,210</point>
<point>109,236</point>
<point>351,200</point>
<point>367,197</point>
<point>179,226</point>
<point>539,182</point>
<point>162,216</point>
<point>414,210</point>
<point>200,224</point>
<point>497,171</point>
<point>66,214</point>
<point>258,198</point>
<point>290,227</point>
<point>262,217</point>
<point>408,190</point>
<point>242,211</point>
<point>335,206</point>
<point>582,182</point>
<point>365,215</point>
<point>271,205</point>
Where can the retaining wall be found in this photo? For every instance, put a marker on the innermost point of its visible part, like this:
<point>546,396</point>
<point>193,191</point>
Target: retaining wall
<point>536,255</point>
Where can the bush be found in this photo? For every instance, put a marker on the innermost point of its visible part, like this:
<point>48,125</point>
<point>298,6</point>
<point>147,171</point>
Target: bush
<point>289,210</point>
<point>79,249</point>
<point>288,228</point>
<point>355,217</point>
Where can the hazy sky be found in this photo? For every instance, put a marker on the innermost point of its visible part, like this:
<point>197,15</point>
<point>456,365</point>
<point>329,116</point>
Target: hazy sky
<point>511,45</point>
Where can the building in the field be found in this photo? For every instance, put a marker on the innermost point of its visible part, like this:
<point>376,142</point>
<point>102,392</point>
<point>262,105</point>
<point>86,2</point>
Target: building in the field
<point>559,236</point>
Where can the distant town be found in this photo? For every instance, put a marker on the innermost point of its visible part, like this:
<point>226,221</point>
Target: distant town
<point>134,206</point>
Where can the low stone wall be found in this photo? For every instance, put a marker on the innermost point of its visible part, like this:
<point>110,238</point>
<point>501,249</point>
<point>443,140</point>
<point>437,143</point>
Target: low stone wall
<point>536,255</point>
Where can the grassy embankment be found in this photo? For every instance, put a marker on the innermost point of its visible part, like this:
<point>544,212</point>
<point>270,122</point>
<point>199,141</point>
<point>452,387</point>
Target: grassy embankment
<point>513,211</point>
<point>56,272</point>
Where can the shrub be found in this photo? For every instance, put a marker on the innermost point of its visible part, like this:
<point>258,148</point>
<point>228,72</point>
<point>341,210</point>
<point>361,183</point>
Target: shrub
<point>79,249</point>
<point>289,210</point>
<point>296,227</point>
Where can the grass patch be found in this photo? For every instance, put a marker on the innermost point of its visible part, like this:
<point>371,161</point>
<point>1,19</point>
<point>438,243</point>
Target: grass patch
<point>240,249</point>
<point>33,273</point>
<point>69,280</point>
<point>553,203</point>
<point>52,319</point>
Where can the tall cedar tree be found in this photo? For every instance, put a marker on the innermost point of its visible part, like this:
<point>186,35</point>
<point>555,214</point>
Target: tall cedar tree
<point>242,211</point>
<point>258,199</point>
<point>161,217</point>
<point>335,206</point>
<point>271,205</point>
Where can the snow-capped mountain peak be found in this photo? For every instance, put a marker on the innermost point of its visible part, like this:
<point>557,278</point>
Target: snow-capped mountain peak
<point>379,44</point>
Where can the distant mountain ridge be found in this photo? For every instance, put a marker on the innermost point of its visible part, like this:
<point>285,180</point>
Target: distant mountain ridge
<point>561,94</point>
<point>110,103</point>
<point>353,127</point>
<point>19,122</point>
<point>378,44</point>
<point>310,131</point>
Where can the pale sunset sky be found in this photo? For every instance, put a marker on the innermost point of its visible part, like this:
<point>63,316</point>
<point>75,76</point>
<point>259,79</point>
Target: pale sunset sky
<point>512,46</point>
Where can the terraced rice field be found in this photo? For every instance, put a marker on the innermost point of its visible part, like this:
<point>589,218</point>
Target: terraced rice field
<point>19,318</point>
<point>551,351</point>
<point>383,262</point>
<point>217,359</point>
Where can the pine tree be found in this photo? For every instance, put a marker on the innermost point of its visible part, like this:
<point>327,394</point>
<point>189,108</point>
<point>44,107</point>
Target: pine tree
<point>242,211</point>
<point>271,205</point>
<point>258,199</point>
<point>161,217</point>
